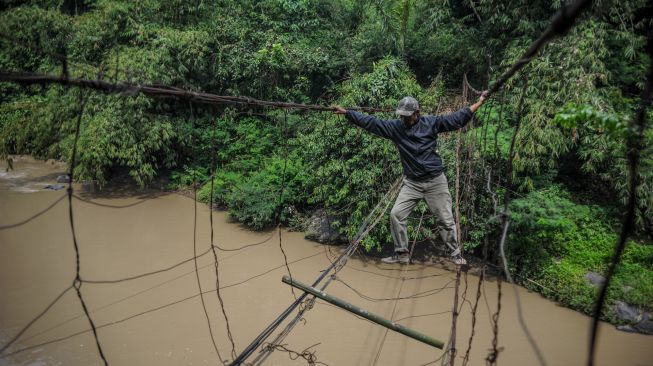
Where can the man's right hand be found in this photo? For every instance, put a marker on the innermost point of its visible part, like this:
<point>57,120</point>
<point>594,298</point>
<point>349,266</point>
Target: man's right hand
<point>338,109</point>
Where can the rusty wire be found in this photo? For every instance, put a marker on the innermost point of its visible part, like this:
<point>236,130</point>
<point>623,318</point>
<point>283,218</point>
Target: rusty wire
<point>308,356</point>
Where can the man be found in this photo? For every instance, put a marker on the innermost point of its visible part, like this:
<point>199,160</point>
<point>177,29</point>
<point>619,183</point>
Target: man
<point>416,139</point>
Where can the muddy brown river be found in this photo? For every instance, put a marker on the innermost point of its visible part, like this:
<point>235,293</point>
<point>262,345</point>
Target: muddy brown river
<point>158,319</point>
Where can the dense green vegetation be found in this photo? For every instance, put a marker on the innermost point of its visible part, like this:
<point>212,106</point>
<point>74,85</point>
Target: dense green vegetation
<point>556,242</point>
<point>572,105</point>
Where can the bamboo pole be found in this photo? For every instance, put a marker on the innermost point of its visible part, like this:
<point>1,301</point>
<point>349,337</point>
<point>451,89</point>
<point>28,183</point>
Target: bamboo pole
<point>365,314</point>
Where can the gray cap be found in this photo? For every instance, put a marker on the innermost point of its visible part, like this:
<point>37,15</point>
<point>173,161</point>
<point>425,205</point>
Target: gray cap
<point>407,106</point>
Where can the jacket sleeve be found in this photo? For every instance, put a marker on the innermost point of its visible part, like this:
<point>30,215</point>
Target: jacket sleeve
<point>371,124</point>
<point>453,121</point>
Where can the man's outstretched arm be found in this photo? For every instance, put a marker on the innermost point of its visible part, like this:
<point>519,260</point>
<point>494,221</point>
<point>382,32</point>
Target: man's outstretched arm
<point>369,123</point>
<point>458,119</point>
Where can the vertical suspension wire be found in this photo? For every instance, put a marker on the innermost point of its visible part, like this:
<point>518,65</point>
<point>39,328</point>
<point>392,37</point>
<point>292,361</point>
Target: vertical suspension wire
<point>480,136</point>
<point>472,164</point>
<point>281,191</point>
<point>478,296</point>
<point>468,161</point>
<point>216,262</point>
<point>197,274</point>
<point>473,312</point>
<point>322,189</point>
<point>486,125</point>
<point>497,152</point>
<point>450,351</point>
<point>481,278</point>
<point>506,222</point>
<point>77,282</point>
<point>493,354</point>
<point>468,195</point>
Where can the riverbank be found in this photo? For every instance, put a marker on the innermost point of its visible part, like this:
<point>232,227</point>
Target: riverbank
<point>557,247</point>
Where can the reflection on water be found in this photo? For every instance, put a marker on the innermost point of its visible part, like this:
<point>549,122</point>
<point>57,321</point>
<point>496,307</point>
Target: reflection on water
<point>157,318</point>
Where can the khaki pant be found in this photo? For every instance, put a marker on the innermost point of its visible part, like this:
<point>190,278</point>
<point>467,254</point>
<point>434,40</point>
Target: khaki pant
<point>436,193</point>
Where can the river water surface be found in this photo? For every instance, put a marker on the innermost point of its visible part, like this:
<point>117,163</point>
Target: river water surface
<point>158,319</point>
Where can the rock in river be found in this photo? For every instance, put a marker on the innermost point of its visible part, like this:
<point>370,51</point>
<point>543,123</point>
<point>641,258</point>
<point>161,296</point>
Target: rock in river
<point>319,228</point>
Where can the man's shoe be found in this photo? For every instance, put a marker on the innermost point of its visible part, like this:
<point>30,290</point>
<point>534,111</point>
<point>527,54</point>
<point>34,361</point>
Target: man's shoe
<point>402,258</point>
<point>458,260</point>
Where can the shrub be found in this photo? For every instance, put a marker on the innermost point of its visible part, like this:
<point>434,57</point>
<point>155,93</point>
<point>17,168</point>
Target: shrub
<point>223,183</point>
<point>259,198</point>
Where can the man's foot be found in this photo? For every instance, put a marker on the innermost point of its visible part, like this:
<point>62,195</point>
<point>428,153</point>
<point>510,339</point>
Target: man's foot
<point>458,260</point>
<point>402,258</point>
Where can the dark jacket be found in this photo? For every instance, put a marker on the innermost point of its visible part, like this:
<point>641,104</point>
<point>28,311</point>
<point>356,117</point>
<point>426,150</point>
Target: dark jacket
<point>417,144</point>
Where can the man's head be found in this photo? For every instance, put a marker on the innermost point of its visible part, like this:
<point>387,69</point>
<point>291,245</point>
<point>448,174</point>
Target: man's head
<point>408,110</point>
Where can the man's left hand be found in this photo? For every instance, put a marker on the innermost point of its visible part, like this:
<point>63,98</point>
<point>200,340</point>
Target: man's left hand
<point>480,102</point>
<point>483,96</point>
